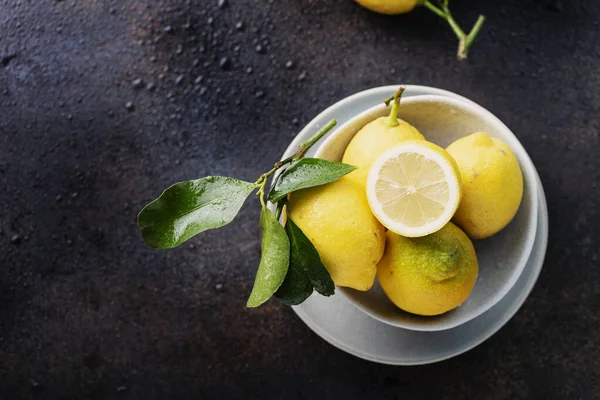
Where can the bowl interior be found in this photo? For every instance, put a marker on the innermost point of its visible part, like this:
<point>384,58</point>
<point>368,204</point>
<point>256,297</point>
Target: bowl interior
<point>501,257</point>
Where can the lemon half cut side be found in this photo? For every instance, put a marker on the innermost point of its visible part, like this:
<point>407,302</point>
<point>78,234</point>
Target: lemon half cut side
<point>414,188</point>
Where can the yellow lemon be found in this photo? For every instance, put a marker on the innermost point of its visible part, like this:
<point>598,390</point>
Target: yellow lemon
<point>337,220</point>
<point>429,275</point>
<point>492,184</point>
<point>390,7</point>
<point>414,188</point>
<point>375,138</point>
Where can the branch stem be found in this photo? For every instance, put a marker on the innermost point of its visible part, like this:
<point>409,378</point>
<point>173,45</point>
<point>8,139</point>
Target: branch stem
<point>301,152</point>
<point>306,145</point>
<point>464,41</point>
<point>433,8</point>
<point>473,34</point>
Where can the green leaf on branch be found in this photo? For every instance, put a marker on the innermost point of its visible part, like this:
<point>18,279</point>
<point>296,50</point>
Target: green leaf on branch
<point>304,253</point>
<point>274,261</point>
<point>308,172</point>
<point>188,208</point>
<point>305,266</point>
<point>295,288</point>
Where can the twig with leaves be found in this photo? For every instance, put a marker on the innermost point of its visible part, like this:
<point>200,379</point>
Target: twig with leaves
<point>290,267</point>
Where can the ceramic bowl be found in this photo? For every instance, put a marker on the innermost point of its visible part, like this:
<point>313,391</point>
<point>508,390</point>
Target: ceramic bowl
<point>502,257</point>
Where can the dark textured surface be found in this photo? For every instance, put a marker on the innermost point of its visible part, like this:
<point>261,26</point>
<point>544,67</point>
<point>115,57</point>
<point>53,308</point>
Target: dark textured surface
<point>88,311</point>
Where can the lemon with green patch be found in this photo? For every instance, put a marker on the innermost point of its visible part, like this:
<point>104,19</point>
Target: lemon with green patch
<point>429,275</point>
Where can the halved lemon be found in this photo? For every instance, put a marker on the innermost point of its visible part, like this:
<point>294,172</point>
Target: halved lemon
<point>414,188</point>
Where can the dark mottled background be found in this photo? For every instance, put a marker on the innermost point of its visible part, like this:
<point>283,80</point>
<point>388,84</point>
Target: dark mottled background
<point>104,103</point>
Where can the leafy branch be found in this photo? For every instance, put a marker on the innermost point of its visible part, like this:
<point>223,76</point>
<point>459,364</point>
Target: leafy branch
<point>290,266</point>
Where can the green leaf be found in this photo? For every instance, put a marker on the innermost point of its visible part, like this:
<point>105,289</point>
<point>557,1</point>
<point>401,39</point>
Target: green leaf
<point>303,257</point>
<point>274,261</point>
<point>188,208</point>
<point>308,172</point>
<point>296,287</point>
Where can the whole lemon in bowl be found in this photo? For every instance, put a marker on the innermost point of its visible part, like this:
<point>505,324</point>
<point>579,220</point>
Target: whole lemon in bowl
<point>429,275</point>
<point>337,220</point>
<point>492,184</point>
<point>375,138</point>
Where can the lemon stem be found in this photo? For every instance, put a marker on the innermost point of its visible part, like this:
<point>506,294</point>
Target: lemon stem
<point>392,120</point>
<point>261,194</point>
<point>464,41</point>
